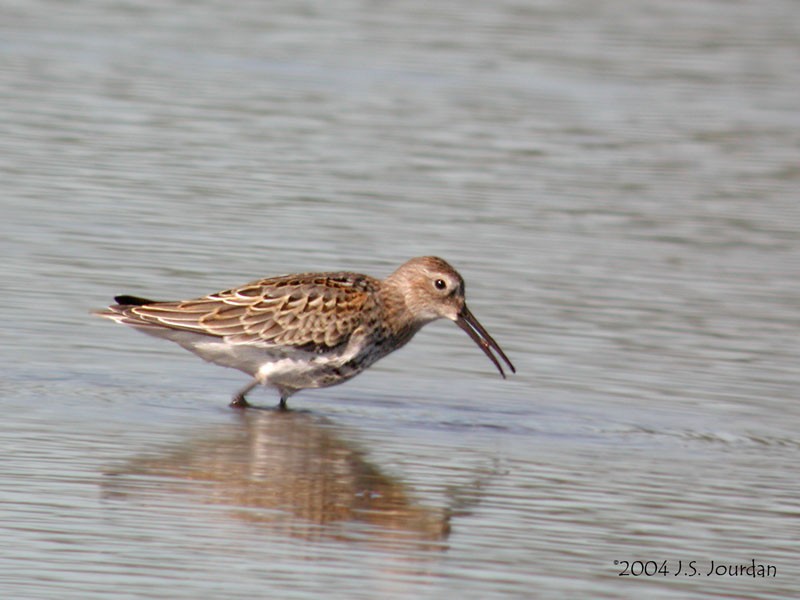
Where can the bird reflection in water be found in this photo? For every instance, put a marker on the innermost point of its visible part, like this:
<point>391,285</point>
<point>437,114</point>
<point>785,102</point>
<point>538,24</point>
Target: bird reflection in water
<point>293,472</point>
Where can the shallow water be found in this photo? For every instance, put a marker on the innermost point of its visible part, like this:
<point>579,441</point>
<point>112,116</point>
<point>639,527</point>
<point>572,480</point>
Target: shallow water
<point>616,182</point>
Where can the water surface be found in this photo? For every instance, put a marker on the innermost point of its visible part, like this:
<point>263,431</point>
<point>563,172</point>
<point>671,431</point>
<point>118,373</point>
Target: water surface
<point>616,182</point>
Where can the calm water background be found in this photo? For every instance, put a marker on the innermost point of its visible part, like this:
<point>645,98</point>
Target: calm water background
<point>616,181</point>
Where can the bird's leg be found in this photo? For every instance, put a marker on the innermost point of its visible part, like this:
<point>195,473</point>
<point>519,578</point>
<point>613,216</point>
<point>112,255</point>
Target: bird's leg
<point>285,393</point>
<point>239,400</point>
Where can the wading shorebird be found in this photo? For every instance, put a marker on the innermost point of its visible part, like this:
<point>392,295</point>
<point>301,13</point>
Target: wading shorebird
<point>310,330</point>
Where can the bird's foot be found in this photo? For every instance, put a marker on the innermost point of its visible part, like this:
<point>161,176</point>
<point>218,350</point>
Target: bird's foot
<point>239,401</point>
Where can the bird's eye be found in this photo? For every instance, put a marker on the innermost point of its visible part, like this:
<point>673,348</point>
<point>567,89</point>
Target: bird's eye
<point>440,284</point>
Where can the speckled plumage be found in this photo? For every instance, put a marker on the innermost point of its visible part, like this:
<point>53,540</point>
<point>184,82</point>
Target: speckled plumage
<point>309,330</point>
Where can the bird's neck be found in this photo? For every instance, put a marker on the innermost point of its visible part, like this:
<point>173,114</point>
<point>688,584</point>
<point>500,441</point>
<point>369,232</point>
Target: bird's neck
<point>399,318</point>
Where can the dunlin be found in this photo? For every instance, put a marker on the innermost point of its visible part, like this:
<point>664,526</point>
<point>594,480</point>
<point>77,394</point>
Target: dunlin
<point>310,330</point>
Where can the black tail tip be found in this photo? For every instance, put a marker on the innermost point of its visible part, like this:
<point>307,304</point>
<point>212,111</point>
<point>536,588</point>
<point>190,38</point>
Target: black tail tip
<point>132,300</point>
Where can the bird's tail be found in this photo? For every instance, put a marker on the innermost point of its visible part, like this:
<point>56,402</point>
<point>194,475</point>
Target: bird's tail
<point>121,311</point>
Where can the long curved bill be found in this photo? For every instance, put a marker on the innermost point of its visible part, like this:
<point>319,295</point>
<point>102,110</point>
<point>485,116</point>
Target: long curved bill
<point>467,321</point>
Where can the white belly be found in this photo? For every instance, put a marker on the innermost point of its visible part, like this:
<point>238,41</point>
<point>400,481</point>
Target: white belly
<point>283,367</point>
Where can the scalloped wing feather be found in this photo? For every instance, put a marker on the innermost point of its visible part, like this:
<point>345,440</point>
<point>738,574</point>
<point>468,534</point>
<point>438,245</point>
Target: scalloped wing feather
<point>316,310</point>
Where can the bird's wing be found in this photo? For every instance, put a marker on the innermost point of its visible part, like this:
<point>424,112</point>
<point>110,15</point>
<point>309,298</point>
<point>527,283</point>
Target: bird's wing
<point>314,310</point>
